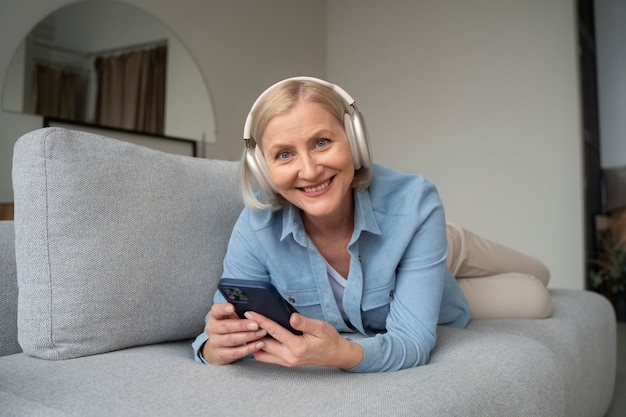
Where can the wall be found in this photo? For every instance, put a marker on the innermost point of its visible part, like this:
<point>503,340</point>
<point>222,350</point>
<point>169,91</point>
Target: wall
<point>611,64</point>
<point>482,98</point>
<point>240,46</point>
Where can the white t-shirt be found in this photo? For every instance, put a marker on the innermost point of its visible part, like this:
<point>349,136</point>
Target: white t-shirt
<point>338,284</point>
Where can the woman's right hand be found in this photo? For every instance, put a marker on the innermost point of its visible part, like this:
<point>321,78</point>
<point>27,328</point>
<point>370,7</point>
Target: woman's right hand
<point>230,338</point>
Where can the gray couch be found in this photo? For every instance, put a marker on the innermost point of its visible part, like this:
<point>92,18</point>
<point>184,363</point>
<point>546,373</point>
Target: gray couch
<point>116,250</point>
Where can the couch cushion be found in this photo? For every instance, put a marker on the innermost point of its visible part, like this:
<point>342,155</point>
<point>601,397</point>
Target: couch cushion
<point>470,374</point>
<point>582,336</point>
<point>117,245</point>
<point>561,366</point>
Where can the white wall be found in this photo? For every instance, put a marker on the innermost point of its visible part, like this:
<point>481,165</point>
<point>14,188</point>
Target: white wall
<point>15,82</point>
<point>611,64</point>
<point>482,98</point>
<point>182,95</point>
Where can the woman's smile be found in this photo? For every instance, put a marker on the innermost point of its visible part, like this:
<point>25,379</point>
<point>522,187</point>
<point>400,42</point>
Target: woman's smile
<point>317,189</point>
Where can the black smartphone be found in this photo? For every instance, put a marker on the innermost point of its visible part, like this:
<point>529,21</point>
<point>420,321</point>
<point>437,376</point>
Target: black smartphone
<point>258,296</point>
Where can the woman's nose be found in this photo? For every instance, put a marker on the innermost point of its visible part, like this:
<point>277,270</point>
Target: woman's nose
<point>309,168</point>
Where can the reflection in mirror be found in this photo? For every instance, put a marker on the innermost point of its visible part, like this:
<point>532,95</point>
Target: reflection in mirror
<point>110,64</point>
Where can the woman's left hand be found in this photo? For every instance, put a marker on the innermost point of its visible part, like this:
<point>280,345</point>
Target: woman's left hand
<point>320,344</point>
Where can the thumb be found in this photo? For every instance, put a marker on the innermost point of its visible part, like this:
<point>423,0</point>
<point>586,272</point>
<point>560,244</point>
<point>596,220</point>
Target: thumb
<point>298,321</point>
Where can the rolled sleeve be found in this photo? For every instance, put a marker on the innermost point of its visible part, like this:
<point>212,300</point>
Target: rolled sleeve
<point>197,345</point>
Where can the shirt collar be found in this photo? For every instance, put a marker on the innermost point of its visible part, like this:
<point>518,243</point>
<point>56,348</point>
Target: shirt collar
<point>292,224</point>
<point>364,221</point>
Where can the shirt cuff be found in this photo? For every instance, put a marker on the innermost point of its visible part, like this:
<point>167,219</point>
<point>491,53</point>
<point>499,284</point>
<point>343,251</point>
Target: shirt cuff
<point>197,347</point>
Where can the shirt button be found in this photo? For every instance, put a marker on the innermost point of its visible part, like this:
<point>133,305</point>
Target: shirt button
<point>292,300</point>
<point>391,293</point>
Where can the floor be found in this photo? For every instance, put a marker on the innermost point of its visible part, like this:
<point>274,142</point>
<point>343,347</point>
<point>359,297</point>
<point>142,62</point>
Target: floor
<point>618,406</point>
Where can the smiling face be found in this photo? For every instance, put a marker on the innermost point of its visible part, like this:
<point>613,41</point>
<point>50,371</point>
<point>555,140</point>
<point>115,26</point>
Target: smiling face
<point>309,161</point>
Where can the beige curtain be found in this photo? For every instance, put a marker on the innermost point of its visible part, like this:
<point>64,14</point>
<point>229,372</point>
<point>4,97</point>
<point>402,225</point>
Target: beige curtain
<point>131,90</point>
<point>57,93</point>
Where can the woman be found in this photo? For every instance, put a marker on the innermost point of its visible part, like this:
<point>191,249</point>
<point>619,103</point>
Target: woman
<point>355,247</point>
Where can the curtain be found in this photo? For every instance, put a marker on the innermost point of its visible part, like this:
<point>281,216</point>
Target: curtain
<point>131,90</point>
<point>57,92</point>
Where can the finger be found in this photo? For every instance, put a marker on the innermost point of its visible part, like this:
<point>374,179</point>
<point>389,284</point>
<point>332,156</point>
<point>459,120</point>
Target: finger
<point>223,319</point>
<point>306,325</point>
<point>297,322</point>
<point>237,325</point>
<point>236,339</point>
<point>221,311</point>
<point>274,329</point>
<point>281,354</point>
<point>233,353</point>
<point>263,355</point>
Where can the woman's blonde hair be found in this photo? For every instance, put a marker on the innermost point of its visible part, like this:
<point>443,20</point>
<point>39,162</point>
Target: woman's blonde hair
<point>279,99</point>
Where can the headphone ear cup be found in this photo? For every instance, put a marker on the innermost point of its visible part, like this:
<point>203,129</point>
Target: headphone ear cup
<point>258,168</point>
<point>358,139</point>
<point>349,128</point>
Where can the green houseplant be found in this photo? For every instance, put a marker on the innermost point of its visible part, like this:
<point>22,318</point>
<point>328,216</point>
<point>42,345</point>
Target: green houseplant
<point>609,275</point>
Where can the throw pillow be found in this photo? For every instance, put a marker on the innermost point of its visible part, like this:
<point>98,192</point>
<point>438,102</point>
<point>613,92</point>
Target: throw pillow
<point>117,245</point>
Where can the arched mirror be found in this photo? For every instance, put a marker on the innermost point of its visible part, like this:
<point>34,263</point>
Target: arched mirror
<point>110,64</point>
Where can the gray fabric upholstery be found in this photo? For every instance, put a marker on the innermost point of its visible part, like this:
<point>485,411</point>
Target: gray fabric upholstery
<point>581,334</point>
<point>117,245</point>
<point>8,291</point>
<point>494,368</point>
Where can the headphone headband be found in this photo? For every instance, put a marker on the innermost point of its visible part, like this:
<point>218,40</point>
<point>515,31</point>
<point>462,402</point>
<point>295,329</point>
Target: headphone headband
<point>344,95</point>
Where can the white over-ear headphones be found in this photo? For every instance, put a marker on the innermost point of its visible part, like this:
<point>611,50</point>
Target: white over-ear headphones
<point>354,125</point>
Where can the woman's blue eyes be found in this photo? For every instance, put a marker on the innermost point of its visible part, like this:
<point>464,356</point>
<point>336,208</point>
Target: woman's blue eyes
<point>320,143</point>
<point>283,155</point>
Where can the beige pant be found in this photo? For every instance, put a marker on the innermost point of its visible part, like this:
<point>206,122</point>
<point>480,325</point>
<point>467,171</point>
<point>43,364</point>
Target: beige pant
<point>498,282</point>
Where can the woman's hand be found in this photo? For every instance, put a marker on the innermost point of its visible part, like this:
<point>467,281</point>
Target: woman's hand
<point>230,338</point>
<point>320,344</point>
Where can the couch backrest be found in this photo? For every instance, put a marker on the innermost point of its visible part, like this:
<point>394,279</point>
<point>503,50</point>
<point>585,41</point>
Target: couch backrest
<point>117,245</point>
<point>8,291</point>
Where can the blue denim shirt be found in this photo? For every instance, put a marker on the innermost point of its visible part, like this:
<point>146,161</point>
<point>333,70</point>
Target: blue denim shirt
<point>399,287</point>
